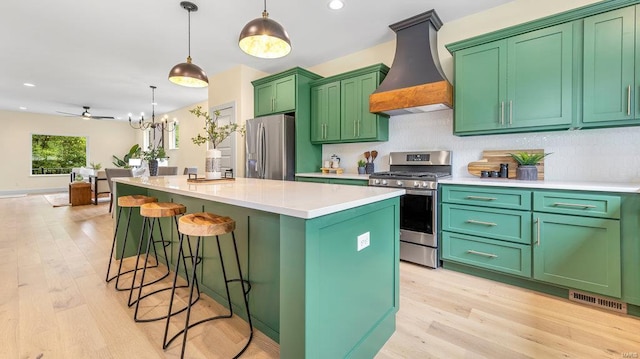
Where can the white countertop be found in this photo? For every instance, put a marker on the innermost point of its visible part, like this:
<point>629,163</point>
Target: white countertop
<point>296,199</point>
<point>353,176</point>
<point>545,184</point>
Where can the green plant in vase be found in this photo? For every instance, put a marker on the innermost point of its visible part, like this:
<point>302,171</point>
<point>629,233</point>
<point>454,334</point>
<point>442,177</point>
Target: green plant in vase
<point>361,165</point>
<point>214,134</point>
<point>151,156</point>
<point>527,162</point>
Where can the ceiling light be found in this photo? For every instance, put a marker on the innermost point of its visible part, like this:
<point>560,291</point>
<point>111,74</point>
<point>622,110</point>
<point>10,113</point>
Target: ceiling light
<point>141,124</point>
<point>186,73</point>
<point>336,4</point>
<point>264,38</point>
<point>29,84</point>
<point>23,108</point>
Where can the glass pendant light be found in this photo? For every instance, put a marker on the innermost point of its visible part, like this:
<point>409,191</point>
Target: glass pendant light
<point>186,73</point>
<point>264,38</point>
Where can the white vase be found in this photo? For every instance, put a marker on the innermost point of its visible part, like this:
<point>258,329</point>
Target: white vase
<point>212,164</point>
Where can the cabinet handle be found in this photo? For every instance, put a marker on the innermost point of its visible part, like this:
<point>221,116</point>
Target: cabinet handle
<point>629,100</point>
<point>480,198</point>
<point>473,221</point>
<point>354,128</point>
<point>585,206</point>
<point>510,113</point>
<point>326,131</point>
<point>502,113</point>
<point>490,255</point>
<point>358,128</point>
<point>538,232</point>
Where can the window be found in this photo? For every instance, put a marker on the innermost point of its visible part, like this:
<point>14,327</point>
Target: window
<point>51,154</point>
<point>174,135</point>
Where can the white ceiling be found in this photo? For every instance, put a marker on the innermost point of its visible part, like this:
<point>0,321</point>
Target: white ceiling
<point>105,54</point>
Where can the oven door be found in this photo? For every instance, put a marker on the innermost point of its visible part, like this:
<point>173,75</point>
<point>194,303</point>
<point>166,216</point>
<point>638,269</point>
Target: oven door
<point>418,217</point>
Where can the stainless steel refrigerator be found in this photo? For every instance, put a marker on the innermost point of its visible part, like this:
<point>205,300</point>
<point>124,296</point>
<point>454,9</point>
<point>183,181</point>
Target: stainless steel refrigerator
<point>270,147</point>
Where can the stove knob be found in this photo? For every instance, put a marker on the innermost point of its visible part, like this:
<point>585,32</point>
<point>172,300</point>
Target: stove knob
<point>376,181</point>
<point>425,184</point>
<point>416,184</point>
<point>384,182</point>
<point>399,183</point>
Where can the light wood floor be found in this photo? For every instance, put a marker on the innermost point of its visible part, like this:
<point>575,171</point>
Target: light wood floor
<point>54,304</point>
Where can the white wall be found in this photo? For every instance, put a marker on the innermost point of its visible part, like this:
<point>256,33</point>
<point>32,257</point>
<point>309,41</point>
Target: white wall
<point>105,139</point>
<point>594,155</point>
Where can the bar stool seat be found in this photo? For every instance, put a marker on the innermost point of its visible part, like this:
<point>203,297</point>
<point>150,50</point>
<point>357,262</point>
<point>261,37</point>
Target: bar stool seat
<point>130,202</point>
<point>151,213</point>
<point>203,225</point>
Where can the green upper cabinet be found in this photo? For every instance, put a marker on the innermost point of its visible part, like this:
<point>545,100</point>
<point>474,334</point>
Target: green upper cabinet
<point>277,96</point>
<point>289,92</point>
<point>609,83</point>
<point>523,83</point>
<point>481,87</point>
<point>340,107</point>
<point>325,112</point>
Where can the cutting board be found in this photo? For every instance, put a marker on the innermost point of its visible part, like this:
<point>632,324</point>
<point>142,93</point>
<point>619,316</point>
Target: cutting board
<point>492,159</point>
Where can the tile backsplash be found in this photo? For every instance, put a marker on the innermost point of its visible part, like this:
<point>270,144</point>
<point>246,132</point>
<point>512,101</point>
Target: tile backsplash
<point>611,155</point>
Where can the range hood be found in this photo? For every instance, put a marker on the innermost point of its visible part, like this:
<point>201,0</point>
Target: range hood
<point>415,82</point>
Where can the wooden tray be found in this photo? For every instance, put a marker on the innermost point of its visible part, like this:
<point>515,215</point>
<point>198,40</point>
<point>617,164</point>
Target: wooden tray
<point>204,180</point>
<point>492,159</point>
<point>338,171</point>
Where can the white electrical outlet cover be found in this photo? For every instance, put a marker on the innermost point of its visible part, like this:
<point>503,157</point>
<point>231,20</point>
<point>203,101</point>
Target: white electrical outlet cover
<point>363,241</point>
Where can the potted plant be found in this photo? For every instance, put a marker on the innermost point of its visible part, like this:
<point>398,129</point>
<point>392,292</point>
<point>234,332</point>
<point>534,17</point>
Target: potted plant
<point>361,164</point>
<point>527,162</point>
<point>134,152</point>
<point>214,134</point>
<point>151,156</point>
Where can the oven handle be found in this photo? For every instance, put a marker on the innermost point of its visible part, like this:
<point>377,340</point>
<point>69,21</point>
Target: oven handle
<point>427,193</point>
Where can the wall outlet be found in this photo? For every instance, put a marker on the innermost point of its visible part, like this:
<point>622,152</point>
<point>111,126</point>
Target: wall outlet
<point>363,241</point>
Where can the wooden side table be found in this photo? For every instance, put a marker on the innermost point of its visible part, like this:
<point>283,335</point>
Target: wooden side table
<point>79,193</point>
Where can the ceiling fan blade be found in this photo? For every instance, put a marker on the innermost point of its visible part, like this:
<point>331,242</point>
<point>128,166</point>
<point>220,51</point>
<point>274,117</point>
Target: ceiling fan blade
<point>67,113</point>
<point>103,117</point>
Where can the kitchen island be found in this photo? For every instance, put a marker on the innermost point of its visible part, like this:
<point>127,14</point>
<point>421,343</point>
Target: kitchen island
<point>322,259</point>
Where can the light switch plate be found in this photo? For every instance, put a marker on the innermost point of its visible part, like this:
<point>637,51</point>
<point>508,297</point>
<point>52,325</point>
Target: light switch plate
<point>363,241</point>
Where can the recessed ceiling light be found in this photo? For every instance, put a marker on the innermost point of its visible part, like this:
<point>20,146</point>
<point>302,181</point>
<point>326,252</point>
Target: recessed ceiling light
<point>29,84</point>
<point>336,4</point>
<point>23,108</point>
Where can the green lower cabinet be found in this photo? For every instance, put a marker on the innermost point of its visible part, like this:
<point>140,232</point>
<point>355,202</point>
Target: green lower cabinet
<point>508,225</point>
<point>578,252</point>
<point>501,256</point>
<point>352,182</point>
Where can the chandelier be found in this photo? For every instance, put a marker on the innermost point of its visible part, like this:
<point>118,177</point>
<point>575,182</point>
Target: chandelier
<point>143,124</point>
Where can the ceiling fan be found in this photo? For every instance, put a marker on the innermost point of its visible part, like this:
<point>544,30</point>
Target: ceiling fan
<point>86,115</point>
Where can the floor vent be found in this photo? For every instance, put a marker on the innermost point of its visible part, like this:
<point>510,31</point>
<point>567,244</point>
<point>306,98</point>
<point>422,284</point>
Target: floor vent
<point>598,301</point>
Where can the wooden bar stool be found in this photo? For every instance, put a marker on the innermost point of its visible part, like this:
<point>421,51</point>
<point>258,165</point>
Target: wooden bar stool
<point>203,225</point>
<point>151,213</point>
<point>130,202</point>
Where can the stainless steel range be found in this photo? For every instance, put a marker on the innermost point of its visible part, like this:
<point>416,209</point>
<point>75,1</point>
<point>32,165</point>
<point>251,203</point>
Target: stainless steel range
<point>418,173</point>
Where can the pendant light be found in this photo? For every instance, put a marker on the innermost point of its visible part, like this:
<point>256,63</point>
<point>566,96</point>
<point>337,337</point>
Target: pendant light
<point>186,73</point>
<point>264,38</point>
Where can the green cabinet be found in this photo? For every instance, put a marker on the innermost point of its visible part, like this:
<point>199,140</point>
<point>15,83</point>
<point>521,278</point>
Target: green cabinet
<point>325,112</point>
<point>340,107</point>
<point>577,241</point>
<point>487,227</point>
<point>347,181</point>
<point>276,96</point>
<point>288,91</point>
<point>578,252</point>
<point>523,83</point>
<point>609,83</point>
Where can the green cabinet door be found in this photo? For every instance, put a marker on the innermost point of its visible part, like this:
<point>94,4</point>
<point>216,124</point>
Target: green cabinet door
<point>275,97</point>
<point>357,123</point>
<point>578,252</point>
<point>325,113</point>
<point>263,102</point>
<point>539,78</point>
<point>285,94</point>
<point>480,87</point>
<point>609,66</point>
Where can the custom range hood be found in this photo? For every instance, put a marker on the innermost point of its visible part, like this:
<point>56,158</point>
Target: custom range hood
<point>415,82</point>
